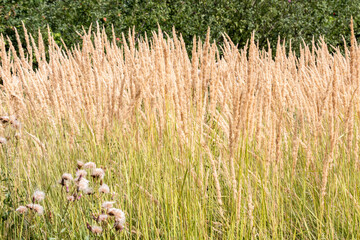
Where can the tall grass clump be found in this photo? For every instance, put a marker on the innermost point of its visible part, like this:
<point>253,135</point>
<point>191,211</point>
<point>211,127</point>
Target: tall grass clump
<point>226,143</point>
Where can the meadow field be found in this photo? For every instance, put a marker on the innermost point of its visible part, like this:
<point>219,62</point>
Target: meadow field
<point>133,138</point>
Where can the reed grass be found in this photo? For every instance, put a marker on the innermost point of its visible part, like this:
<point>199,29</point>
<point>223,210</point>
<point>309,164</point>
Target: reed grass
<point>238,145</point>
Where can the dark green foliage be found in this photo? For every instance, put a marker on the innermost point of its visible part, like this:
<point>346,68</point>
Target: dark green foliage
<point>295,19</point>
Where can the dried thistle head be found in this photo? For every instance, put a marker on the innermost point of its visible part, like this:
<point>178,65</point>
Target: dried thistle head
<point>120,220</point>
<point>107,205</point>
<point>80,174</point>
<point>4,119</point>
<point>3,140</point>
<point>67,177</point>
<point>117,213</point>
<point>36,207</point>
<point>104,188</point>
<point>89,165</point>
<point>14,122</point>
<point>102,218</point>
<point>38,196</point>
<point>118,226</point>
<point>98,173</point>
<point>83,184</point>
<point>80,164</point>
<point>21,209</point>
<point>70,198</point>
<point>94,229</point>
<point>88,191</point>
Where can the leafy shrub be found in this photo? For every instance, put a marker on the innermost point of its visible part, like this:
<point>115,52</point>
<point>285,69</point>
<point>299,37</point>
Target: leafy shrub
<point>292,19</point>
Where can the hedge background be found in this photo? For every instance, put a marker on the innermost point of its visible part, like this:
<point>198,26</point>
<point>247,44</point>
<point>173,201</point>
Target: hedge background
<point>290,19</point>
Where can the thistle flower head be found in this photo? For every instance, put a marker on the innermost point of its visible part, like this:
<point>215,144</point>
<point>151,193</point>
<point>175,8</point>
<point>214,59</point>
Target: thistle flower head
<point>4,119</point>
<point>89,165</point>
<point>101,218</point>
<point>83,184</point>
<point>119,220</point>
<point>107,205</point>
<point>70,198</point>
<point>21,209</point>
<point>36,207</point>
<point>15,123</point>
<point>104,188</point>
<point>67,177</point>
<point>88,191</point>
<point>118,226</point>
<point>117,213</point>
<point>80,164</point>
<point>94,229</point>
<point>98,173</point>
<point>80,174</point>
<point>3,140</point>
<point>38,196</point>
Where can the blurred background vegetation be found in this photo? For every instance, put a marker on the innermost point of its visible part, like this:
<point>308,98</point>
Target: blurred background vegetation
<point>297,20</point>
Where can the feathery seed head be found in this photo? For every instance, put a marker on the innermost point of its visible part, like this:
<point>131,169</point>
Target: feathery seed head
<point>70,198</point>
<point>15,123</point>
<point>88,191</point>
<point>21,209</point>
<point>94,229</point>
<point>118,226</point>
<point>101,218</point>
<point>98,173</point>
<point>3,140</point>
<point>36,207</point>
<point>104,188</point>
<point>38,196</point>
<point>80,164</point>
<point>83,184</point>
<point>107,205</point>
<point>119,220</point>
<point>67,177</point>
<point>4,119</point>
<point>89,165</point>
<point>117,213</point>
<point>80,174</point>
